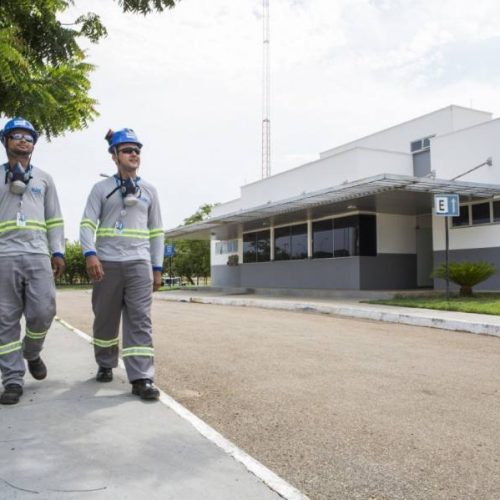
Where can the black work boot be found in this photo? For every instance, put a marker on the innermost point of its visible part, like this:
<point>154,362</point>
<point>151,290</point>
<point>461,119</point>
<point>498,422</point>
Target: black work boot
<point>37,368</point>
<point>104,374</point>
<point>11,394</point>
<point>145,388</point>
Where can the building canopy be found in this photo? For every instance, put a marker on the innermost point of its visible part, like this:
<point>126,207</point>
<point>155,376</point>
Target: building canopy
<point>387,193</point>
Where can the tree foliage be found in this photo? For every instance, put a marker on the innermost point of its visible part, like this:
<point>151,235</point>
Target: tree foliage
<point>75,273</point>
<point>192,257</point>
<point>201,214</point>
<point>465,274</point>
<point>44,75</point>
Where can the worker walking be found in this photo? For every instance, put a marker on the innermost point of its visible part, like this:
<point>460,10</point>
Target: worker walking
<point>125,264</point>
<point>31,254</point>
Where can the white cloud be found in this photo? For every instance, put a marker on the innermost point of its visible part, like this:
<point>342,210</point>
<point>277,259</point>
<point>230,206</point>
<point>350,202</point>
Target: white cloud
<point>189,82</point>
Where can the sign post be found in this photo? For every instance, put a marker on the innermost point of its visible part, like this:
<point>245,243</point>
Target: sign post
<point>447,205</point>
<point>170,252</point>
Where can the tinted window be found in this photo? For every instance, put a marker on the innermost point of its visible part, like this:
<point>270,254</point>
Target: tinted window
<point>345,236</point>
<point>299,241</point>
<point>463,218</point>
<point>290,242</point>
<point>282,245</point>
<point>496,211</point>
<point>322,234</point>
<point>263,244</point>
<point>416,145</point>
<point>481,213</point>
<point>367,235</point>
<point>249,247</point>
<point>355,235</point>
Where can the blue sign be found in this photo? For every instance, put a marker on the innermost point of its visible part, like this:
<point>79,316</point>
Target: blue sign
<point>447,205</point>
<point>169,250</point>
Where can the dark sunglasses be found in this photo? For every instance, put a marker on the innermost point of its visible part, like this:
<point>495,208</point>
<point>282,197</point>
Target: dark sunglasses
<point>18,137</point>
<point>129,151</point>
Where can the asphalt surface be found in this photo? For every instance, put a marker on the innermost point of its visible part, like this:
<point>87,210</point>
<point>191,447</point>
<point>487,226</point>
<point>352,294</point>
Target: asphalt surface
<point>338,407</point>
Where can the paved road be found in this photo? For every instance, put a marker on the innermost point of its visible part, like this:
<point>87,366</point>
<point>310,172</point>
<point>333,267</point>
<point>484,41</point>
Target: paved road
<point>341,408</point>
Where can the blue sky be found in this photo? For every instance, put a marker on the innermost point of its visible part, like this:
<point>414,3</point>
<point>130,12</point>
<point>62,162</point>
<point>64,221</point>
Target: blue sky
<point>189,82</point>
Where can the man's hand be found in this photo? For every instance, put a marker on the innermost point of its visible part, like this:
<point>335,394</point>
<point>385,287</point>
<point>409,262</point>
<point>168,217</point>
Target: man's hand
<point>94,268</point>
<point>58,266</point>
<point>156,280</point>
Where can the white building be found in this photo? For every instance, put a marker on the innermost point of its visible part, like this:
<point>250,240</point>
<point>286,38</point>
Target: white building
<point>361,216</point>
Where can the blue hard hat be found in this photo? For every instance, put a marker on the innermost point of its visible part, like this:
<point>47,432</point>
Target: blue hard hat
<point>18,123</point>
<point>120,137</point>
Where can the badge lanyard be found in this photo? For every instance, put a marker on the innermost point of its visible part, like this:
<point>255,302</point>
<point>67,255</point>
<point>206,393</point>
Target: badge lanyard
<point>119,226</point>
<point>20,217</point>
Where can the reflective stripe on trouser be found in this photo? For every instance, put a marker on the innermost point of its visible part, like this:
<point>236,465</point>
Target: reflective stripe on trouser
<point>26,286</point>
<point>125,291</point>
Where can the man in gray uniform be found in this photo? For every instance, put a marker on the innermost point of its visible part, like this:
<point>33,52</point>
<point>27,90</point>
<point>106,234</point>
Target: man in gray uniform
<point>125,264</point>
<point>31,253</point>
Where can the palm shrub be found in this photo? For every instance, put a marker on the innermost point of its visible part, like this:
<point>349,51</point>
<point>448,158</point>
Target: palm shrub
<point>465,274</point>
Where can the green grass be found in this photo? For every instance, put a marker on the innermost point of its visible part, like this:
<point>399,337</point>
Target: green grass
<point>482,303</point>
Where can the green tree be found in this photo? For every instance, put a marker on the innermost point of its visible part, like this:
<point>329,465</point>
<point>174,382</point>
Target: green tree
<point>75,272</point>
<point>44,75</point>
<point>465,274</point>
<point>192,257</point>
<point>201,214</point>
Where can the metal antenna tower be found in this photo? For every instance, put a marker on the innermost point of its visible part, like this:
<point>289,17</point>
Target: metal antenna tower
<point>266,101</point>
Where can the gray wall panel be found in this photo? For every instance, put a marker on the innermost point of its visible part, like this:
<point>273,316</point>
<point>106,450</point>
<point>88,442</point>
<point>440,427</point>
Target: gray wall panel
<point>389,272</point>
<point>384,272</point>
<point>317,273</point>
<point>226,275</point>
<point>320,273</point>
<point>488,254</point>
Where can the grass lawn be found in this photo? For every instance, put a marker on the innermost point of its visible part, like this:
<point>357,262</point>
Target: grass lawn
<point>482,303</point>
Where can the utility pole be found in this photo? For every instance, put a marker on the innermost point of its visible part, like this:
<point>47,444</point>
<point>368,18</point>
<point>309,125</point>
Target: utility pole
<point>266,101</point>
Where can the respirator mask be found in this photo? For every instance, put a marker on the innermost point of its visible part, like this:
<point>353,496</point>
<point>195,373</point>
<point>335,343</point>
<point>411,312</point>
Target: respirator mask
<point>129,189</point>
<point>18,178</point>
<point>130,192</point>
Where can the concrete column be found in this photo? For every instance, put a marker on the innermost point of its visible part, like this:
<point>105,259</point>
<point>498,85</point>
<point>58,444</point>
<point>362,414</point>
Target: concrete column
<point>271,241</point>
<point>309,239</point>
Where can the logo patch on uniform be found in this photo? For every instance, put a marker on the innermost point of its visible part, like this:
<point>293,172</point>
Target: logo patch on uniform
<point>36,190</point>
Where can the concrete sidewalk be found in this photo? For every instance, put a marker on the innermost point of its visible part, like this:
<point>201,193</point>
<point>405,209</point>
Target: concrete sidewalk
<point>348,306</point>
<point>73,438</point>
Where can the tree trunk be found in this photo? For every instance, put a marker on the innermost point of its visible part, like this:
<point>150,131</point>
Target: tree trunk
<point>465,291</point>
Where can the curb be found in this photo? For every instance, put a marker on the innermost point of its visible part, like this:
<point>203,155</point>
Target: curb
<point>424,317</point>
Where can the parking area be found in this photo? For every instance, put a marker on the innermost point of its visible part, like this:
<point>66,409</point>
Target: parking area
<point>340,408</point>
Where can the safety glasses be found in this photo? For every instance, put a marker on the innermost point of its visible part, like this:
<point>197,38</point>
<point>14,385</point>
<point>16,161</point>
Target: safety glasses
<point>129,151</point>
<point>19,137</point>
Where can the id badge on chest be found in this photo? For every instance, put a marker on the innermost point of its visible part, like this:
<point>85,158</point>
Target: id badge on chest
<point>20,219</point>
<point>118,227</point>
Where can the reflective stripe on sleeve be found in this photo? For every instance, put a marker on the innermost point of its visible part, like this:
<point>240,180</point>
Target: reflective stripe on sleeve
<point>155,233</point>
<point>88,223</point>
<point>52,223</point>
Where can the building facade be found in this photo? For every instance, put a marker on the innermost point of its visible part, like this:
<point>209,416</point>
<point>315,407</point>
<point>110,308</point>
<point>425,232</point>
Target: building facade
<point>361,216</point>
